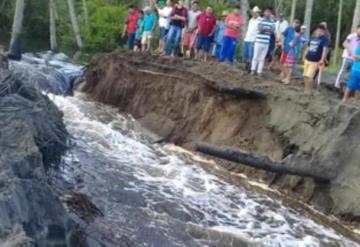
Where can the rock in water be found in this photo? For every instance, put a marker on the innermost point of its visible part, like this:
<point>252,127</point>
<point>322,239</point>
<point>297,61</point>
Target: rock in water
<point>47,72</point>
<point>32,138</point>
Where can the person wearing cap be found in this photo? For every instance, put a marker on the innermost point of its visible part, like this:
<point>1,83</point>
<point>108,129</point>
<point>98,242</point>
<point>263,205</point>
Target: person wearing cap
<point>130,26</point>
<point>350,45</point>
<point>190,31</point>
<point>266,27</point>
<point>164,21</point>
<point>233,25</point>
<point>150,20</point>
<point>219,35</point>
<point>315,57</point>
<point>250,37</point>
<point>178,16</point>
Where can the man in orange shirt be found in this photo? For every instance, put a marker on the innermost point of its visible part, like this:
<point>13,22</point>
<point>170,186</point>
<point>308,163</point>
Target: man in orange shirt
<point>233,24</point>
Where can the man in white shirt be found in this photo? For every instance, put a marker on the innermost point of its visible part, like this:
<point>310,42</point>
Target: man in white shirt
<point>164,22</point>
<point>280,27</point>
<point>190,31</point>
<point>251,37</point>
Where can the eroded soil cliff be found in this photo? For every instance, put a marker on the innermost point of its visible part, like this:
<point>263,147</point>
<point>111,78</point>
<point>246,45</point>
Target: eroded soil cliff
<point>186,102</point>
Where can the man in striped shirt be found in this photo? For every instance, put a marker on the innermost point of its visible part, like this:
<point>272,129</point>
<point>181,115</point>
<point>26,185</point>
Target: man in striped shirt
<point>265,29</point>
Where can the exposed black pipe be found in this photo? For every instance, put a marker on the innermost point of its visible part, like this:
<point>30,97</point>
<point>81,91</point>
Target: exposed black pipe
<point>304,169</point>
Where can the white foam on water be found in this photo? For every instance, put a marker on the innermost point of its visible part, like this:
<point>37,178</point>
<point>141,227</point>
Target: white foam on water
<point>162,176</point>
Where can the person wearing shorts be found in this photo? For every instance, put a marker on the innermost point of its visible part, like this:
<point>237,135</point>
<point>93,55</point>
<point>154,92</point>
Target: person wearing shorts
<point>150,20</point>
<point>315,57</point>
<point>291,59</point>
<point>190,31</point>
<point>206,28</point>
<point>354,81</point>
<point>290,38</point>
<point>350,45</point>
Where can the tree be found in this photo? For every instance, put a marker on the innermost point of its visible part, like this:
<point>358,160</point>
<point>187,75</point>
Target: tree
<point>338,27</point>
<point>52,14</point>
<point>356,19</point>
<point>86,13</point>
<point>308,14</point>
<point>74,23</point>
<point>14,50</point>
<point>2,5</point>
<point>293,10</point>
<point>244,9</point>
<point>279,6</point>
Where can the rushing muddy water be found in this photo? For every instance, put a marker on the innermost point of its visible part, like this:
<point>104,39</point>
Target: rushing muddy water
<point>155,197</point>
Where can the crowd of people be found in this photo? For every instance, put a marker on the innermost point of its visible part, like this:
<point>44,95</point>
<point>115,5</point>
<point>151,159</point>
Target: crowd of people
<point>269,40</point>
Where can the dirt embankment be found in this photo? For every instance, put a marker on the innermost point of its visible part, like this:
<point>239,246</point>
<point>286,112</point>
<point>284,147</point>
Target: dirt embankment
<point>187,102</point>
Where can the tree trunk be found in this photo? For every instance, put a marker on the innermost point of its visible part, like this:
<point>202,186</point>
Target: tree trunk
<point>14,50</point>
<point>279,7</point>
<point>356,19</point>
<point>338,31</point>
<point>53,43</point>
<point>2,6</point>
<point>74,23</point>
<point>86,13</point>
<point>304,169</point>
<point>308,15</point>
<point>293,10</point>
<point>244,12</point>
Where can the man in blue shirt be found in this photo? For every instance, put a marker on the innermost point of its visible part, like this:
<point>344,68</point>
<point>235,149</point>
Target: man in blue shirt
<point>288,45</point>
<point>354,81</point>
<point>265,29</point>
<point>219,35</point>
<point>150,21</point>
<point>315,57</point>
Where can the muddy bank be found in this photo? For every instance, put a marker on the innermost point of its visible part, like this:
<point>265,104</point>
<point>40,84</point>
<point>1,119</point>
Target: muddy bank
<point>186,102</point>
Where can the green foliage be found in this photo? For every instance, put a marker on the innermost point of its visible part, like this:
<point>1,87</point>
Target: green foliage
<point>106,21</point>
<point>105,27</point>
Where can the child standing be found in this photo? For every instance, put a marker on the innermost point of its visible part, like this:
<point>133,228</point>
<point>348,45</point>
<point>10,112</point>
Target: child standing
<point>150,20</point>
<point>219,35</point>
<point>316,53</point>
<point>354,81</point>
<point>290,49</point>
<point>139,31</point>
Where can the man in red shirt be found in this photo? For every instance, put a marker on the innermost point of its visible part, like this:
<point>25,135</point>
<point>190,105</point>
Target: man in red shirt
<point>130,26</point>
<point>206,28</point>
